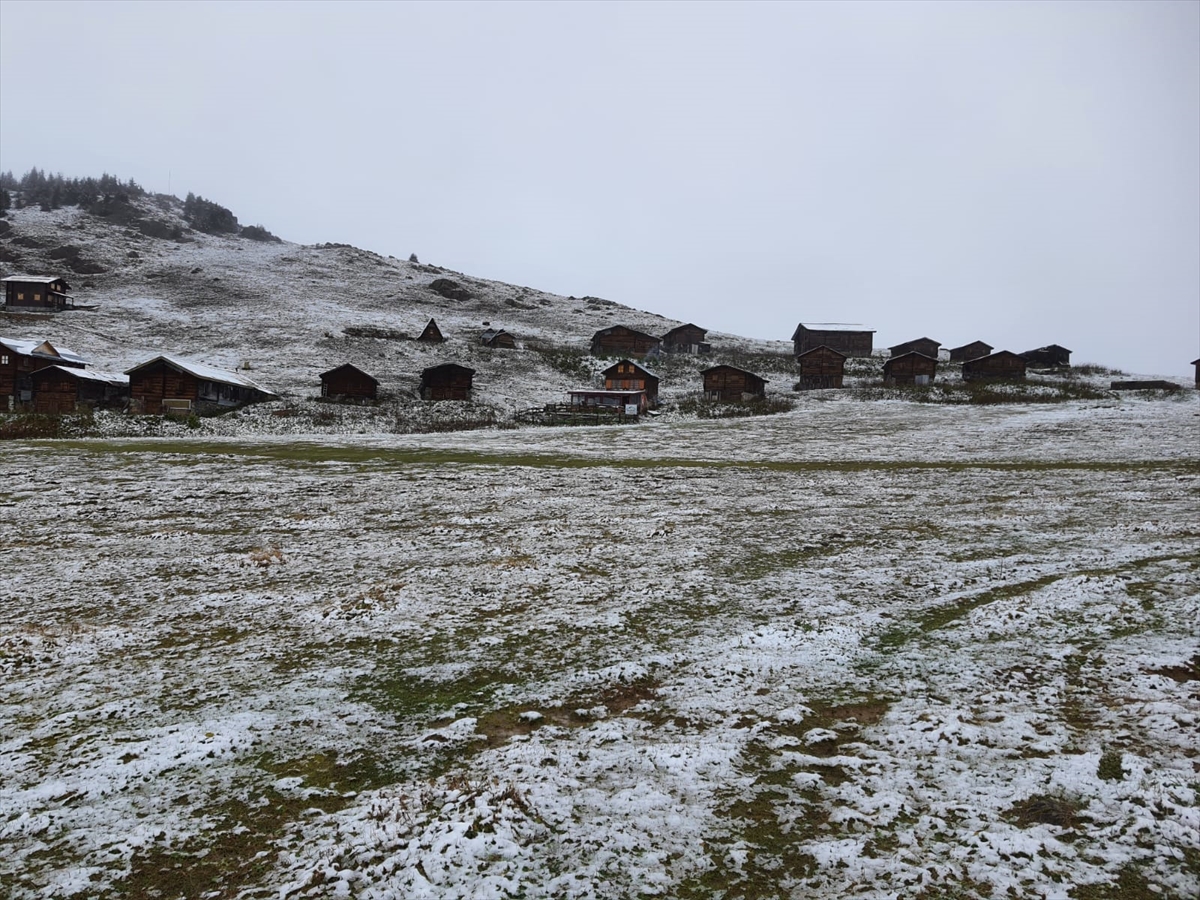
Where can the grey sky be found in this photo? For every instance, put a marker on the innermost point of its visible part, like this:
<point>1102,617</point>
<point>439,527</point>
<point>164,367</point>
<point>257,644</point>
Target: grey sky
<point>1021,173</point>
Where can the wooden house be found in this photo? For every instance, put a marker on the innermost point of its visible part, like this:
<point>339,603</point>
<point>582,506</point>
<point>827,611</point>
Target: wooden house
<point>821,367</point>
<point>973,350</point>
<point>171,384</point>
<point>999,366</point>
<point>498,339</point>
<point>348,382</point>
<point>1051,356</point>
<point>621,340</point>
<point>849,340</point>
<point>629,376</point>
<point>731,384</point>
<point>432,334</point>
<point>910,368</point>
<point>686,339</point>
<point>20,358</point>
<point>46,293</point>
<point>449,381</point>
<point>61,389</point>
<point>927,346</point>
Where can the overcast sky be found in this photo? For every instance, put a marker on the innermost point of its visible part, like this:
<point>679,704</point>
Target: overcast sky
<point>1020,173</point>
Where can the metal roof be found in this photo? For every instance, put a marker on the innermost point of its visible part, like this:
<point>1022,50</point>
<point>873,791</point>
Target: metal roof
<point>36,279</point>
<point>26,347</point>
<point>89,374</point>
<point>203,372</point>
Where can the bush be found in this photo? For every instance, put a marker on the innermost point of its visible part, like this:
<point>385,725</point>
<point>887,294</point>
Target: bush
<point>258,233</point>
<point>1109,768</point>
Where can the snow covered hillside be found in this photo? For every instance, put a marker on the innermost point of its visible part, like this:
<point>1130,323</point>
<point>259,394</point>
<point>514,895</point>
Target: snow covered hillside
<point>294,311</point>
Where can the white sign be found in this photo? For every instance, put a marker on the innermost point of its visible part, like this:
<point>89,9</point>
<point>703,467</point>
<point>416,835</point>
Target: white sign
<point>631,409</point>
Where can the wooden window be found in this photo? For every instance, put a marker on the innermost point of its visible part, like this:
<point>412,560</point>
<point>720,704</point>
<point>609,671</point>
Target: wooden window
<point>37,298</point>
<point>20,295</point>
<point>4,360</point>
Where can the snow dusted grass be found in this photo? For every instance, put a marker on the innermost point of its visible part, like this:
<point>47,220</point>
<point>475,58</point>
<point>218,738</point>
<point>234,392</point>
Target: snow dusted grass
<point>854,650</point>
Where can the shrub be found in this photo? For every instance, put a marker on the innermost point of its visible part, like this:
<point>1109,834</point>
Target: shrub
<point>1109,768</point>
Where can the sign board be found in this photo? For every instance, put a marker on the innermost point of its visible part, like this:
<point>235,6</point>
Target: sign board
<point>631,409</point>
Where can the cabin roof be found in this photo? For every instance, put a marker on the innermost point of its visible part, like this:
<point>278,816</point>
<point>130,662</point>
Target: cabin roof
<point>611,328</point>
<point>347,367</point>
<point>971,344</point>
<point>25,347</point>
<point>822,347</point>
<point>681,327</point>
<point>995,355</point>
<point>201,371</point>
<point>911,353</point>
<point>637,366</point>
<point>445,367</point>
<point>87,375</point>
<point>598,392</point>
<point>1049,347</point>
<point>732,369</point>
<point>35,279</point>
<point>915,340</point>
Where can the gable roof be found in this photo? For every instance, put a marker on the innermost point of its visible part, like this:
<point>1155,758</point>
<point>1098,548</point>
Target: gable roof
<point>41,349</point>
<point>637,366</point>
<point>612,328</point>
<point>203,372</point>
<point>446,367</point>
<point>972,344</point>
<point>819,349</point>
<point>347,367</point>
<point>732,369</point>
<point>703,331</point>
<point>35,279</point>
<point>86,375</point>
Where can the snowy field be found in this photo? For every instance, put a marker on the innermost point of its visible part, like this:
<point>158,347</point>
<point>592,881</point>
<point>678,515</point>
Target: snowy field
<point>864,650</point>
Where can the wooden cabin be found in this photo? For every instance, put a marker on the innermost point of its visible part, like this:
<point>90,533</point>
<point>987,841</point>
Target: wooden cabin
<point>20,358</point>
<point>348,382</point>
<point>621,340</point>
<point>498,339</point>
<point>849,340</point>
<point>449,381</point>
<point>686,339</point>
<point>910,368</point>
<point>973,350</point>
<point>61,389</point>
<point>171,384</point>
<point>729,384</point>
<point>44,293</point>
<point>821,367</point>
<point>927,346</point>
<point>629,376</point>
<point>999,366</point>
<point>432,334</point>
<point>1051,356</point>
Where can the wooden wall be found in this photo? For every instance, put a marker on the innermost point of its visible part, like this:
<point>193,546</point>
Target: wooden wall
<point>905,368</point>
<point>821,367</point>
<point>730,384</point>
<point>1002,366</point>
<point>851,343</point>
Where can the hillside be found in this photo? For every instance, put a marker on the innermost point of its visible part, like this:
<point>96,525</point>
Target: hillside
<point>294,311</point>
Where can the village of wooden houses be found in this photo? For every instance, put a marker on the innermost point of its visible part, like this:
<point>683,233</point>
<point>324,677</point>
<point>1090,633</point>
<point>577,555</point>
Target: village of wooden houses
<point>41,375</point>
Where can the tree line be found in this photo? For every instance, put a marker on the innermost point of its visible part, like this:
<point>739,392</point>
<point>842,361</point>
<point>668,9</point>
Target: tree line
<point>103,195</point>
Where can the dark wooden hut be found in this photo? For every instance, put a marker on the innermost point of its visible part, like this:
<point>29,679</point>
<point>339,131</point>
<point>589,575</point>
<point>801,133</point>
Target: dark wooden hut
<point>821,367</point>
<point>686,339</point>
<point>449,381</point>
<point>629,376</point>
<point>170,384</point>
<point>910,368</point>
<point>973,350</point>
<point>999,366</point>
<point>627,402</point>
<point>1052,356</point>
<point>621,340</point>
<point>927,346</point>
<point>730,384</point>
<point>432,334</point>
<point>20,358</point>
<point>849,340</point>
<point>61,389</point>
<point>348,382</point>
<point>45,293</point>
<point>498,339</point>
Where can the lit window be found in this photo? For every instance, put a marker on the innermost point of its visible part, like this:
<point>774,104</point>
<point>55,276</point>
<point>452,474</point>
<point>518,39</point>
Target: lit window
<point>3,360</point>
<point>20,296</point>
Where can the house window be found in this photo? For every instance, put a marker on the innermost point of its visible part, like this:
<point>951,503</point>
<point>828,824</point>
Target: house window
<point>20,295</point>
<point>37,298</point>
<point>4,360</point>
